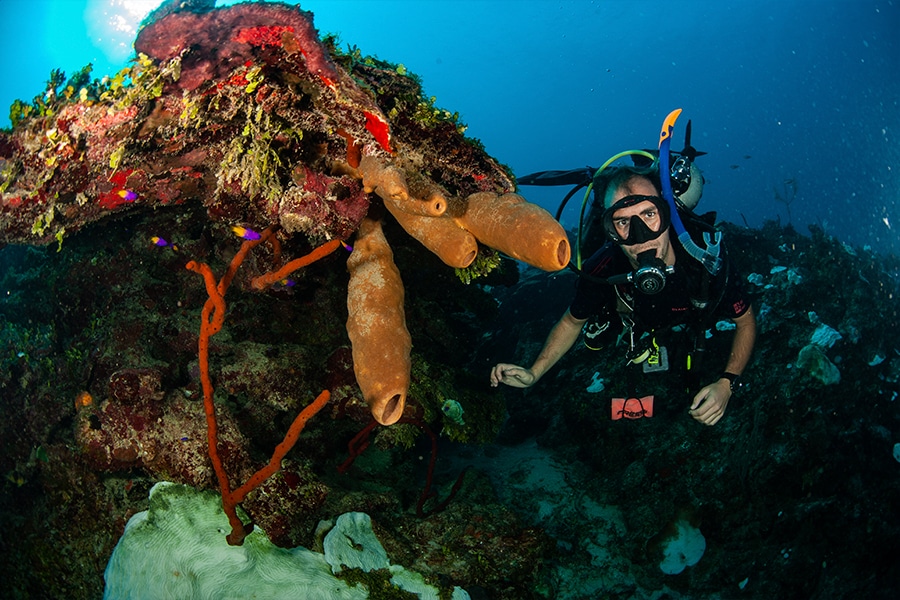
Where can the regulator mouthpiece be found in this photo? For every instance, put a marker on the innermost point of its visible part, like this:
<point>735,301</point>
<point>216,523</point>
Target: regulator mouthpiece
<point>650,276</point>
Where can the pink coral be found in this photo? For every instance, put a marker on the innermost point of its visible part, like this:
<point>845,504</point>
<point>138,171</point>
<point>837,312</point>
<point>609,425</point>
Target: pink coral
<point>213,43</point>
<point>136,426</point>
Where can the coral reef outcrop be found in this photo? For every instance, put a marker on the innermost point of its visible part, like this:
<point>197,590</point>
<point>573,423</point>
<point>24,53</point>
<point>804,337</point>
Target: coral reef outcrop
<point>229,119</point>
<point>246,111</point>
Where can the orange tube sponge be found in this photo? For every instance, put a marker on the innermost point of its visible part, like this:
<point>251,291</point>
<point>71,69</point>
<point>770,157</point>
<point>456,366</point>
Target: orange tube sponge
<point>376,324</point>
<point>453,244</point>
<point>516,227</point>
<point>391,185</point>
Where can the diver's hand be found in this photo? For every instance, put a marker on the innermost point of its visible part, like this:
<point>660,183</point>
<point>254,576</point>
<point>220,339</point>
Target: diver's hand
<point>512,375</point>
<point>710,402</point>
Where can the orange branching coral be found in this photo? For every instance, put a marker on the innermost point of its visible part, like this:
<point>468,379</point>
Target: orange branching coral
<point>264,281</point>
<point>211,322</point>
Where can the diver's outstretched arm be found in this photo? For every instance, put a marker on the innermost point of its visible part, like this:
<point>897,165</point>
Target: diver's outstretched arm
<point>561,338</point>
<point>710,403</point>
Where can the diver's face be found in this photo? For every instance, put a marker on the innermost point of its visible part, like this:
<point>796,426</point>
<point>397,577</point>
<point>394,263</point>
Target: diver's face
<point>647,212</point>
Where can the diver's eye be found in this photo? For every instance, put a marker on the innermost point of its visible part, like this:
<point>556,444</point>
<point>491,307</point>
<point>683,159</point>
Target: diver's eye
<point>652,219</point>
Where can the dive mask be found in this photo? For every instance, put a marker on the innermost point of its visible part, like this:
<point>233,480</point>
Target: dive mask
<point>638,231</point>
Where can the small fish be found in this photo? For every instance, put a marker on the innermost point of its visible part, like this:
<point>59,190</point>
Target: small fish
<point>245,233</point>
<point>128,195</point>
<point>887,222</point>
<point>158,241</point>
<point>454,411</point>
<point>347,246</point>
<point>288,283</point>
<point>83,399</point>
<point>16,478</point>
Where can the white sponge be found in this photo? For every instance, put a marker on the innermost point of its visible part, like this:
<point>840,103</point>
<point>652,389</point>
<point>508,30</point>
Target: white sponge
<point>685,549</point>
<point>177,549</point>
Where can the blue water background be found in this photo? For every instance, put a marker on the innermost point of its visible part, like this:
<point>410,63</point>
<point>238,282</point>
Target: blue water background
<point>803,90</point>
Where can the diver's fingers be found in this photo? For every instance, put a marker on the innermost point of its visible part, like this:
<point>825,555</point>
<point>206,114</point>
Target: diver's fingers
<point>500,372</point>
<point>703,407</point>
<point>699,398</point>
<point>716,418</point>
<point>711,418</point>
<point>704,413</point>
<point>512,375</point>
<point>710,410</point>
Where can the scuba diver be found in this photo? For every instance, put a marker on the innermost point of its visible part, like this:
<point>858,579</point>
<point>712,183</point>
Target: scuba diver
<point>654,274</point>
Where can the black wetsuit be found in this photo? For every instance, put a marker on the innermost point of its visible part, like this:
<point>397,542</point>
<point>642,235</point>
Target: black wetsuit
<point>656,314</point>
<point>672,306</point>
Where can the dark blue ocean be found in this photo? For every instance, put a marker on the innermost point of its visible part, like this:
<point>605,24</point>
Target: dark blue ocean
<point>796,107</point>
<point>783,96</point>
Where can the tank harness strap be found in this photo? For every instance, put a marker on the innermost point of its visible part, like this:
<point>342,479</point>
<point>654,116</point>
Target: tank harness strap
<point>626,315</point>
<point>704,310</point>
